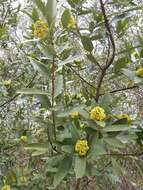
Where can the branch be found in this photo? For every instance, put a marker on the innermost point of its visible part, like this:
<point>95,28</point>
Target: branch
<point>124,155</point>
<point>121,89</point>
<point>86,184</point>
<point>77,184</point>
<point>109,61</point>
<point>81,77</point>
<point>53,95</point>
<point>93,60</point>
<point>99,85</point>
<point>109,33</point>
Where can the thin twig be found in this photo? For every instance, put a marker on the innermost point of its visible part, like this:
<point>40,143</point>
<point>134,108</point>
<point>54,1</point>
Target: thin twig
<point>121,89</point>
<point>124,154</point>
<point>94,60</point>
<point>81,77</point>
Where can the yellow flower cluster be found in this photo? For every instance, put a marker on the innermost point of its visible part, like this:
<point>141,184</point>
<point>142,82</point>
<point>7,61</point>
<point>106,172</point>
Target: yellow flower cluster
<point>71,23</point>
<point>40,29</point>
<point>124,116</point>
<point>6,187</point>
<point>23,138</point>
<point>7,83</point>
<point>82,147</point>
<point>139,72</point>
<point>97,114</point>
<point>74,114</point>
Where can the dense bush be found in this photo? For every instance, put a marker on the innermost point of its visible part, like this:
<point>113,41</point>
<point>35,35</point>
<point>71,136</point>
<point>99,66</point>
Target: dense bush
<point>71,77</point>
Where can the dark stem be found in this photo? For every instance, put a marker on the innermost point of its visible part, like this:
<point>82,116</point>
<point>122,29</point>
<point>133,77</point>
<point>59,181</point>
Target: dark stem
<point>108,61</point>
<point>121,89</point>
<point>53,96</point>
<point>124,154</point>
<point>109,33</point>
<point>64,86</point>
<point>77,184</point>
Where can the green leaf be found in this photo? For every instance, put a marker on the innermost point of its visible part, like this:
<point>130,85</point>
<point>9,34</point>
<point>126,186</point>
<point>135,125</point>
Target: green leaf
<point>69,60</point>
<point>122,25</point>
<point>138,80</point>
<point>71,3</point>
<point>42,95</point>
<point>54,160</point>
<point>35,15</point>
<point>106,101</point>
<point>37,147</point>
<point>39,66</point>
<point>114,142</point>
<point>101,123</point>
<point>63,170</point>
<point>84,113</point>
<point>32,91</point>
<point>97,148</point>
<point>123,127</point>
<point>58,85</point>
<point>40,5</point>
<point>80,166</point>
<point>66,113</point>
<point>44,100</point>
<point>120,63</point>
<point>51,10</point>
<point>130,74</point>
<point>91,58</point>
<point>87,43</point>
<point>74,132</point>
<point>65,18</point>
<point>48,51</point>
<point>39,152</point>
<point>68,148</point>
<point>29,41</point>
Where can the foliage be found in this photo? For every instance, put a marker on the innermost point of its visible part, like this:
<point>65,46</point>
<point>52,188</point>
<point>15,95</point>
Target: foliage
<point>69,95</point>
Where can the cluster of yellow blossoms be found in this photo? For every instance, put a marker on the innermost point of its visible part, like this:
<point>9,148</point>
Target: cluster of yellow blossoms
<point>23,138</point>
<point>139,72</point>
<point>97,114</point>
<point>71,23</point>
<point>74,114</point>
<point>6,187</point>
<point>40,29</point>
<point>82,147</point>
